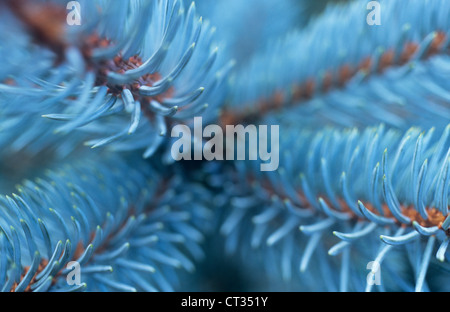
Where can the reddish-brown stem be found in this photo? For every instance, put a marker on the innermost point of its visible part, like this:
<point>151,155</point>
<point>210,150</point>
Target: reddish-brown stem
<point>332,79</point>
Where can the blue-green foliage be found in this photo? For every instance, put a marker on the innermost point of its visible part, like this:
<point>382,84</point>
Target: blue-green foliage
<point>128,226</point>
<point>364,171</point>
<point>171,40</point>
<point>323,192</point>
